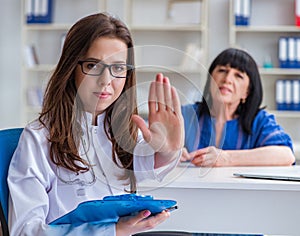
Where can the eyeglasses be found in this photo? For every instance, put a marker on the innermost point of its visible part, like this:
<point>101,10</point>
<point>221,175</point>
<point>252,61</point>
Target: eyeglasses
<point>117,70</point>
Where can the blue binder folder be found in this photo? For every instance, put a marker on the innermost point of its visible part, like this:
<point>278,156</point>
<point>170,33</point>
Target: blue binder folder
<point>110,208</point>
<point>39,11</point>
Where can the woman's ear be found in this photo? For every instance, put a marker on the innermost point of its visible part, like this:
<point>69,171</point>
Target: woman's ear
<point>243,98</point>
<point>246,95</point>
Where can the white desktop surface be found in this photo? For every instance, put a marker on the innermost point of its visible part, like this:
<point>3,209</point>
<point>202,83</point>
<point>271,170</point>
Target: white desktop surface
<point>213,200</point>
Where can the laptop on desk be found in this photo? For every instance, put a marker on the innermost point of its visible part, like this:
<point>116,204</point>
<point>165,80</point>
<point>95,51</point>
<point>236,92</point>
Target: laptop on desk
<point>291,173</point>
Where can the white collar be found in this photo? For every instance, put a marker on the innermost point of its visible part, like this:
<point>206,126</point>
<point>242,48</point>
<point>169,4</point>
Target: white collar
<point>89,118</point>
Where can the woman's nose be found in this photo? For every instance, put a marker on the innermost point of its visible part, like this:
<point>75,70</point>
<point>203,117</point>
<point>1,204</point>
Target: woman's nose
<point>229,76</point>
<point>105,78</point>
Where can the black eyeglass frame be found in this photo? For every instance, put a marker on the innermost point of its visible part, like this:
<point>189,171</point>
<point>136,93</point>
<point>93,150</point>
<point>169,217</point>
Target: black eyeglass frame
<point>129,68</point>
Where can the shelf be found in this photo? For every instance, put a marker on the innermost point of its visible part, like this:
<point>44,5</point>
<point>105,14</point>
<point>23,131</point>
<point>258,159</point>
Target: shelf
<point>47,39</point>
<point>279,71</point>
<point>46,27</point>
<point>266,29</point>
<point>260,39</point>
<point>143,69</point>
<point>177,69</point>
<point>285,114</point>
<point>158,30</point>
<point>168,27</point>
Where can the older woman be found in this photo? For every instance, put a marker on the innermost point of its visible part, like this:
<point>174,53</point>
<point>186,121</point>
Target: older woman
<point>229,127</point>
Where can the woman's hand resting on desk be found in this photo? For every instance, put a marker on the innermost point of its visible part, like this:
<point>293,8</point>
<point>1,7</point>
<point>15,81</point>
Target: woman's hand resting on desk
<point>129,225</point>
<point>207,157</point>
<point>214,157</point>
<point>185,156</point>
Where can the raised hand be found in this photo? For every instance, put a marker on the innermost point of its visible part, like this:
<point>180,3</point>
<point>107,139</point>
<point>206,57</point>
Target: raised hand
<point>165,130</point>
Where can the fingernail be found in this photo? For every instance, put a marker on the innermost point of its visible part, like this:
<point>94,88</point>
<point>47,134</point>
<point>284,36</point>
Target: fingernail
<point>147,213</point>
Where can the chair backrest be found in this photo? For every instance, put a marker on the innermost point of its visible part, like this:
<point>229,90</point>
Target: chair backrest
<point>164,233</point>
<point>9,139</point>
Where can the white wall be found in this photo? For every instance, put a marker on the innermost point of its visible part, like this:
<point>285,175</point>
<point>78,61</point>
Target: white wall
<point>10,53</point>
<point>218,24</point>
<point>10,63</point>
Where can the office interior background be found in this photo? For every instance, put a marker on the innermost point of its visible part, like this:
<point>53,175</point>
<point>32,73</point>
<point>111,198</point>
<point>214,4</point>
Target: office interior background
<point>219,31</point>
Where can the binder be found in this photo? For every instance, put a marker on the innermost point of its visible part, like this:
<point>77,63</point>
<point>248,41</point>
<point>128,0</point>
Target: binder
<point>283,52</point>
<point>296,95</point>
<point>297,12</point>
<point>280,94</point>
<point>110,208</point>
<point>29,10</point>
<point>44,7</point>
<point>288,94</point>
<point>36,7</point>
<point>298,52</point>
<point>246,12</point>
<point>291,52</point>
<point>238,12</point>
<point>39,11</point>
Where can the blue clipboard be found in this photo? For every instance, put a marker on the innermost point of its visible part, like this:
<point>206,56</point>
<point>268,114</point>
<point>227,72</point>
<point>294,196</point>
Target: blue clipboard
<point>110,208</point>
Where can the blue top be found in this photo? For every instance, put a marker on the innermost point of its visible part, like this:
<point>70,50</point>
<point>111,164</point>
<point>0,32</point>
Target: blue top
<point>200,132</point>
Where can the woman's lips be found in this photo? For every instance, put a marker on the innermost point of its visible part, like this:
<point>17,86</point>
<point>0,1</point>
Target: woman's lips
<point>102,95</point>
<point>224,90</point>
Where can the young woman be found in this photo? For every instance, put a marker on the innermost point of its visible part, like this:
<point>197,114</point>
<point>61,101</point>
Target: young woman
<point>229,127</point>
<point>87,143</point>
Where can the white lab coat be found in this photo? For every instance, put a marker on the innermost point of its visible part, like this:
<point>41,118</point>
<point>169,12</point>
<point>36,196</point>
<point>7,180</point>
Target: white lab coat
<point>40,192</point>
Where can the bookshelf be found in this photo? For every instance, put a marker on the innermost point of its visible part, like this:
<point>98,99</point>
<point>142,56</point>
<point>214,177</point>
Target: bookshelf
<point>174,41</point>
<point>260,39</point>
<point>165,43</point>
<point>46,39</point>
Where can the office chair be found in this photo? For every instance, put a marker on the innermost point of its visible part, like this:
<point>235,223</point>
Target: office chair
<point>164,233</point>
<point>9,139</point>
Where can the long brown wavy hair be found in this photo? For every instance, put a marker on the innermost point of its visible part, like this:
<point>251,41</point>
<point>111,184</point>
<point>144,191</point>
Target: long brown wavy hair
<point>61,106</point>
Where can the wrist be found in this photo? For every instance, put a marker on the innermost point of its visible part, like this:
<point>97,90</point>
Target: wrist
<point>172,154</point>
<point>164,158</point>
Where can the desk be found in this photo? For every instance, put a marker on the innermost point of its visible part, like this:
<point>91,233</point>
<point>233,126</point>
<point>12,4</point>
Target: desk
<point>213,200</point>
